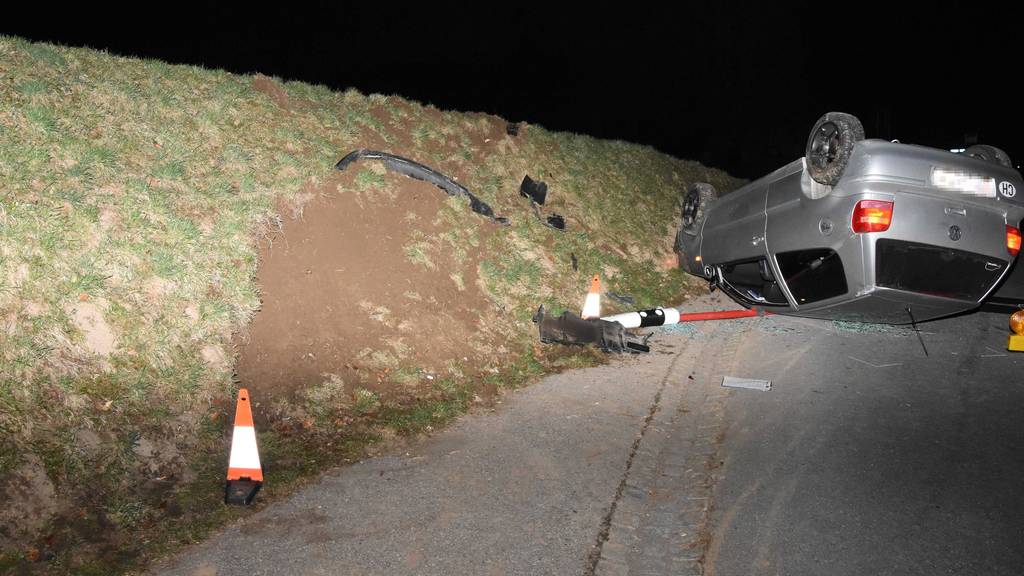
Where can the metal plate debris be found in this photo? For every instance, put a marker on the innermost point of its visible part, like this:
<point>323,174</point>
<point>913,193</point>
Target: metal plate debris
<point>747,383</point>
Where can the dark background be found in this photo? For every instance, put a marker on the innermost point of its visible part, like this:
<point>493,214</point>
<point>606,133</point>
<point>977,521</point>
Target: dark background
<point>734,86</point>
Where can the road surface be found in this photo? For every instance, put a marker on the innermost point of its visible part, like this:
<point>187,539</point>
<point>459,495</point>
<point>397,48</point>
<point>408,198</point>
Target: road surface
<point>865,457</point>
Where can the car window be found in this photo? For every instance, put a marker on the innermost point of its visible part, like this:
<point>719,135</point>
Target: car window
<point>812,275</point>
<point>935,270</point>
<point>753,282</point>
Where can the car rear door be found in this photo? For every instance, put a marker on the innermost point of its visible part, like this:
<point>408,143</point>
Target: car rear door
<point>734,229</point>
<point>733,244</point>
<point>809,241</point>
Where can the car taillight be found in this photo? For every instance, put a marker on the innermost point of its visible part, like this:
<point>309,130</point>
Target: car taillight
<point>872,216</point>
<point>1012,240</point>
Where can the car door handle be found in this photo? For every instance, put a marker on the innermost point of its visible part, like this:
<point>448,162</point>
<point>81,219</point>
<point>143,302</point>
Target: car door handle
<point>958,211</point>
<point>992,266</point>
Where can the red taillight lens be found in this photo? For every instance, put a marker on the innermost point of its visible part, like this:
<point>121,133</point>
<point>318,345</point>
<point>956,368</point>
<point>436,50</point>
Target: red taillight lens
<point>872,216</point>
<point>1012,240</point>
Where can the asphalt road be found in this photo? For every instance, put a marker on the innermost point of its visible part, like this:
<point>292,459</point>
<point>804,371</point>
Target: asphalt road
<point>866,457</point>
<point>524,489</point>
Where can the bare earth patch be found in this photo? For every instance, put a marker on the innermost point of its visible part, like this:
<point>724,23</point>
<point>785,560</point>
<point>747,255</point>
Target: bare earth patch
<point>270,87</point>
<point>99,336</point>
<point>29,498</point>
<point>344,298</point>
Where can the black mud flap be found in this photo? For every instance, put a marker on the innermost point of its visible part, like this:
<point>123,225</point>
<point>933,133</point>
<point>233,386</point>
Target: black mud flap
<point>572,330</point>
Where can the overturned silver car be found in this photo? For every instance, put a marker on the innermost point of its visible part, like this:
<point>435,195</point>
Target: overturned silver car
<point>861,230</point>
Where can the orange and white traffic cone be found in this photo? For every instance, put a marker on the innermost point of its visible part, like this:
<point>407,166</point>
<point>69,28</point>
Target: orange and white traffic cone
<point>592,305</point>
<point>245,475</point>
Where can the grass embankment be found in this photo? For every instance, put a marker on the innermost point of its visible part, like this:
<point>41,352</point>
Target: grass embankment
<point>133,197</point>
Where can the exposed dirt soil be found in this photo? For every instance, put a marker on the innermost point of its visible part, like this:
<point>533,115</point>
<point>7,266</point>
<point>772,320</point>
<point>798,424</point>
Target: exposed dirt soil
<point>268,86</point>
<point>341,298</point>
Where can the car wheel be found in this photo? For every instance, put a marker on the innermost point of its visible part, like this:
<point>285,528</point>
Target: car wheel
<point>989,154</point>
<point>830,146</point>
<point>696,201</point>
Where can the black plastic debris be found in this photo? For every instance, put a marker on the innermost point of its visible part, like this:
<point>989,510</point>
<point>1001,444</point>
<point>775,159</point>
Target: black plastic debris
<point>575,262</point>
<point>534,190</point>
<point>572,330</point>
<point>622,298</point>
<point>418,171</point>
<point>512,129</point>
<point>555,221</point>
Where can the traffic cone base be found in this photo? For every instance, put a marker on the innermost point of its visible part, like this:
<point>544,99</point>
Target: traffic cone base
<point>241,491</point>
<point>245,475</point>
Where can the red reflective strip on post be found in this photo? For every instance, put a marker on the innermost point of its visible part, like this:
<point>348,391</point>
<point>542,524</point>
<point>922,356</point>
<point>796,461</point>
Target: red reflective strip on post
<point>722,315</point>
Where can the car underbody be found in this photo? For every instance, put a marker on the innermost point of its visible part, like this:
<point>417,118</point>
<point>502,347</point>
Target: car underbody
<point>901,233</point>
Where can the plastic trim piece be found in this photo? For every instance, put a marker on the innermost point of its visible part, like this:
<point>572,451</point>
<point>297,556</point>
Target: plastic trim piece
<point>418,171</point>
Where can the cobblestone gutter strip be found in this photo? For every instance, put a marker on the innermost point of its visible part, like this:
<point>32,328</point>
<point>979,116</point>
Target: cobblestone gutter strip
<point>595,555</point>
<point>657,524</point>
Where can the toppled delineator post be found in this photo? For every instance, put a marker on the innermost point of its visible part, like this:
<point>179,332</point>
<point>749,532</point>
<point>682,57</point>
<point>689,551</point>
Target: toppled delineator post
<point>610,332</point>
<point>669,316</point>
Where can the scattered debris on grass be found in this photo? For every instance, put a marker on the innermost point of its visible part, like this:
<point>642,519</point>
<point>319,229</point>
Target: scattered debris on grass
<point>556,221</point>
<point>418,171</point>
<point>534,190</point>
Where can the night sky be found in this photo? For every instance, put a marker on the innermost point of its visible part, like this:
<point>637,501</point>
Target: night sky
<point>736,87</point>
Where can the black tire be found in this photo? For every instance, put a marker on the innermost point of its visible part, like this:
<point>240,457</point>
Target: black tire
<point>695,203</point>
<point>830,146</point>
<point>989,154</point>
<point>696,200</point>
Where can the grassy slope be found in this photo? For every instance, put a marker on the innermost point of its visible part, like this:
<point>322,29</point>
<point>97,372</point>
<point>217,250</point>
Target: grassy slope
<point>132,197</point>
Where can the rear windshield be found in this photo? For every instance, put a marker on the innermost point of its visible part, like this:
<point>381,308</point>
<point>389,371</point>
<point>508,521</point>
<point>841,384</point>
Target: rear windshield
<point>934,270</point>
